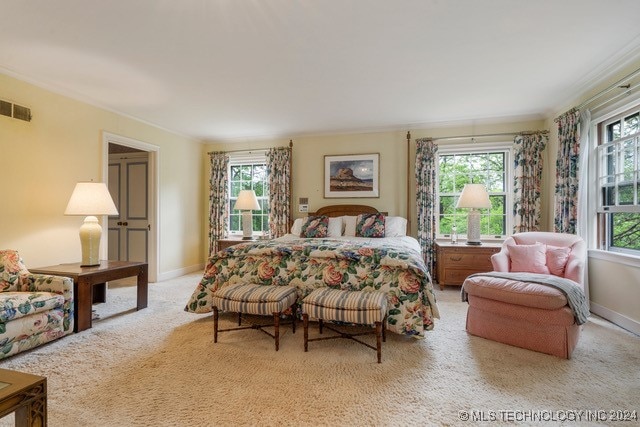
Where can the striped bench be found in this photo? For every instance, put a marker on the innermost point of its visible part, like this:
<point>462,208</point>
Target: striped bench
<point>261,300</point>
<point>359,307</point>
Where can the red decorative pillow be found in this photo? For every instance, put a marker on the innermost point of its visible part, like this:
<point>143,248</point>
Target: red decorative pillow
<point>528,258</point>
<point>557,257</point>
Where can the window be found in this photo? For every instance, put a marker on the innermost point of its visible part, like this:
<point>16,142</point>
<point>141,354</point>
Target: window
<point>619,182</point>
<point>248,172</point>
<point>457,167</point>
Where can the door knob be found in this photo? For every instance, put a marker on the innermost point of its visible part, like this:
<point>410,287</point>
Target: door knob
<point>125,223</point>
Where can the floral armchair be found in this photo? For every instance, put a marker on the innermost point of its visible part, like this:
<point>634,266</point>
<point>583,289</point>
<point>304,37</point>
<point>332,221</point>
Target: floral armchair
<point>34,308</point>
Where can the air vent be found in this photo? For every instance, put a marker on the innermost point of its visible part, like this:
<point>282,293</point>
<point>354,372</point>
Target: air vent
<point>21,113</point>
<point>14,110</point>
<point>5,108</point>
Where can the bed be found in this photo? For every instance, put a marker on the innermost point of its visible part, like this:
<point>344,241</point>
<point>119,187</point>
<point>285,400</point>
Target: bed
<point>392,264</point>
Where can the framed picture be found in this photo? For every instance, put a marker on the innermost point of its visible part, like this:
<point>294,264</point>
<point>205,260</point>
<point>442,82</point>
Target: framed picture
<point>354,175</point>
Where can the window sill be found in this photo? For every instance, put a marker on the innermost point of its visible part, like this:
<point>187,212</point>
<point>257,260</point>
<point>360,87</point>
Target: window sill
<point>617,257</point>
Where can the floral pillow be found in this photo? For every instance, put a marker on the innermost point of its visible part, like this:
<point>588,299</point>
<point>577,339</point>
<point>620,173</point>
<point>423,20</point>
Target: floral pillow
<point>370,225</point>
<point>11,270</point>
<point>315,226</point>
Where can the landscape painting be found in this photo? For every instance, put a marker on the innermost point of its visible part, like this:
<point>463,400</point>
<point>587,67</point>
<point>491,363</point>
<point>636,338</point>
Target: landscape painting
<point>354,175</point>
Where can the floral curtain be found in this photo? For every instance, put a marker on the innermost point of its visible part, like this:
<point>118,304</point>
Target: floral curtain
<point>527,180</point>
<point>425,171</point>
<point>567,170</point>
<point>279,173</point>
<point>218,197</point>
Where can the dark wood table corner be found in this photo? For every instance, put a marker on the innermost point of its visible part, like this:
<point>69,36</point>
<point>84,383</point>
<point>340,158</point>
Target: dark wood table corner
<point>89,284</point>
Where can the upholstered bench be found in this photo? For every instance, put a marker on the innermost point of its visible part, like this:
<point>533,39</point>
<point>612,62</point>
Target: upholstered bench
<point>261,300</point>
<point>358,307</point>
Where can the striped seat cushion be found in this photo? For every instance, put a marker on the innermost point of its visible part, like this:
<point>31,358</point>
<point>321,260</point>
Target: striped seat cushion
<point>254,299</point>
<point>359,307</point>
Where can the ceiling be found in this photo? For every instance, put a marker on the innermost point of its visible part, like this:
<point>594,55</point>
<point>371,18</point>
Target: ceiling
<point>231,70</point>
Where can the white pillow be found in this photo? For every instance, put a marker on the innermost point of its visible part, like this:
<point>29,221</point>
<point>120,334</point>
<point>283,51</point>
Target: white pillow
<point>395,226</point>
<point>335,227</point>
<point>350,225</point>
<point>296,228</point>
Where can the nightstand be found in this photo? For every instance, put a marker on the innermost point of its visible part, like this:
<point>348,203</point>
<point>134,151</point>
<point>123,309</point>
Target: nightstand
<point>455,262</point>
<point>230,241</point>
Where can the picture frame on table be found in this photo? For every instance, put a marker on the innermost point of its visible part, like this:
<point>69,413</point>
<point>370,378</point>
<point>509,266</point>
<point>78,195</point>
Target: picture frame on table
<point>353,175</point>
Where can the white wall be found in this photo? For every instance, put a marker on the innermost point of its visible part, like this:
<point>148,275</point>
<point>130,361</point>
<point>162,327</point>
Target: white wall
<point>43,159</point>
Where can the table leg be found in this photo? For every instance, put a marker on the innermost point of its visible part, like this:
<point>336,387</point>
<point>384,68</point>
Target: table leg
<point>143,287</point>
<point>99,293</point>
<point>84,291</point>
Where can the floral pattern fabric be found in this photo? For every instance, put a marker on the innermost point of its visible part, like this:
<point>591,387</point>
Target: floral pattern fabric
<point>218,197</point>
<point>315,226</point>
<point>527,175</point>
<point>567,173</point>
<point>370,225</point>
<point>279,174</point>
<point>13,272</point>
<point>308,264</point>
<point>425,172</point>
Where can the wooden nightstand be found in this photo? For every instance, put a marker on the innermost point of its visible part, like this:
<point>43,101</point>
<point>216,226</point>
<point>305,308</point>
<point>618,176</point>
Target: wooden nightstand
<point>454,263</point>
<point>230,241</point>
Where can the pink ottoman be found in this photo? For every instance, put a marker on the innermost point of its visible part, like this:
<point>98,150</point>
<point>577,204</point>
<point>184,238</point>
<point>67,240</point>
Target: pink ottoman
<point>526,315</point>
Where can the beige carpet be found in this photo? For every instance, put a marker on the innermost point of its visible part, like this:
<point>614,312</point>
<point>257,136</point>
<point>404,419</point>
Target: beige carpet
<point>159,367</point>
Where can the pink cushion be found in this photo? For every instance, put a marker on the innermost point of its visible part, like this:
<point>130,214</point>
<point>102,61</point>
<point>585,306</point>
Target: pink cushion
<point>515,292</point>
<point>528,258</point>
<point>557,257</point>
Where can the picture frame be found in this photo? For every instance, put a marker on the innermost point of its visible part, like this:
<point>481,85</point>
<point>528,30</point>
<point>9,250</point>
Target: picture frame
<point>351,176</point>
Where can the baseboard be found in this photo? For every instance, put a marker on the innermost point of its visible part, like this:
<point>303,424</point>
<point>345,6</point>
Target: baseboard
<point>617,318</point>
<point>179,272</point>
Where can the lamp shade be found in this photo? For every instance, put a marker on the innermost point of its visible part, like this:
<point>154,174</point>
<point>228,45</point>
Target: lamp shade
<point>474,196</point>
<point>247,201</point>
<point>91,198</point>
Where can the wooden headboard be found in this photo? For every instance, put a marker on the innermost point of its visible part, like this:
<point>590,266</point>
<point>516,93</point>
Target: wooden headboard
<point>340,210</point>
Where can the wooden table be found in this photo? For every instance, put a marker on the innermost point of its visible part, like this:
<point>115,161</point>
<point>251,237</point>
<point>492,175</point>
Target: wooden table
<point>455,262</point>
<point>89,285</point>
<point>24,394</point>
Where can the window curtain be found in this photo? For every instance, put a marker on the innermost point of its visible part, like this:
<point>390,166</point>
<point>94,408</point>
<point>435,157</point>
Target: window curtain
<point>567,173</point>
<point>527,180</point>
<point>279,173</point>
<point>218,198</point>
<point>425,171</point>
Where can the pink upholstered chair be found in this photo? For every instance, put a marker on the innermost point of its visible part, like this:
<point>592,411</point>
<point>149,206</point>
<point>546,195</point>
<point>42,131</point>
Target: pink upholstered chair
<point>524,314</point>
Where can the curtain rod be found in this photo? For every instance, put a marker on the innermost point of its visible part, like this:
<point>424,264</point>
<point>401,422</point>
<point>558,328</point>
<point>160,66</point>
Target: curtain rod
<point>616,85</point>
<point>261,150</point>
<point>486,135</point>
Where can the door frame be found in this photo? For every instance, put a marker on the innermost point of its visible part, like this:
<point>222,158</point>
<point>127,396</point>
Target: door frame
<point>154,199</point>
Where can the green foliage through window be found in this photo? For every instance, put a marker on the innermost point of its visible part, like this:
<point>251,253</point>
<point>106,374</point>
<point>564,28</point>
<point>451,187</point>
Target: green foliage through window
<point>457,169</point>
<point>249,176</point>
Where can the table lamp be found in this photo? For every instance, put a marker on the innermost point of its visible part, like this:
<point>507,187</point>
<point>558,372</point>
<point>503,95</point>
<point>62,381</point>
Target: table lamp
<point>247,201</point>
<point>91,199</point>
<point>474,196</point>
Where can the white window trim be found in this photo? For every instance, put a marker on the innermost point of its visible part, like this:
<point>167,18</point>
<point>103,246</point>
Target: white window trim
<point>243,158</point>
<point>600,116</point>
<point>482,148</point>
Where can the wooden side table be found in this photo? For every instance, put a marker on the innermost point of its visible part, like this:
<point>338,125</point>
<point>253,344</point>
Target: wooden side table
<point>89,285</point>
<point>455,262</point>
<point>230,241</point>
<point>24,394</point>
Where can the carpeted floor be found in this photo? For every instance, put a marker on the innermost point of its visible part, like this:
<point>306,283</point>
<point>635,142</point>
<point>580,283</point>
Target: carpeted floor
<point>159,367</point>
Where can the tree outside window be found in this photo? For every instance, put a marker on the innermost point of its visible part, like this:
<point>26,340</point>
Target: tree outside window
<point>249,176</point>
<point>459,168</point>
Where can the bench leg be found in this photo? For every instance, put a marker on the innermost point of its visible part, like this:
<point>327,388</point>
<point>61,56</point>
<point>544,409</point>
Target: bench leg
<point>320,325</point>
<point>379,340</point>
<point>384,329</point>
<point>215,324</point>
<point>239,319</point>
<point>294,312</point>
<point>305,326</point>
<point>276,324</point>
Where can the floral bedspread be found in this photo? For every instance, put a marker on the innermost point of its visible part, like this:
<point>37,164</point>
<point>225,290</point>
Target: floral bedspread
<point>311,263</point>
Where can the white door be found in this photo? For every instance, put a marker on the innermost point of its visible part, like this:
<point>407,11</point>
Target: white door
<point>128,185</point>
